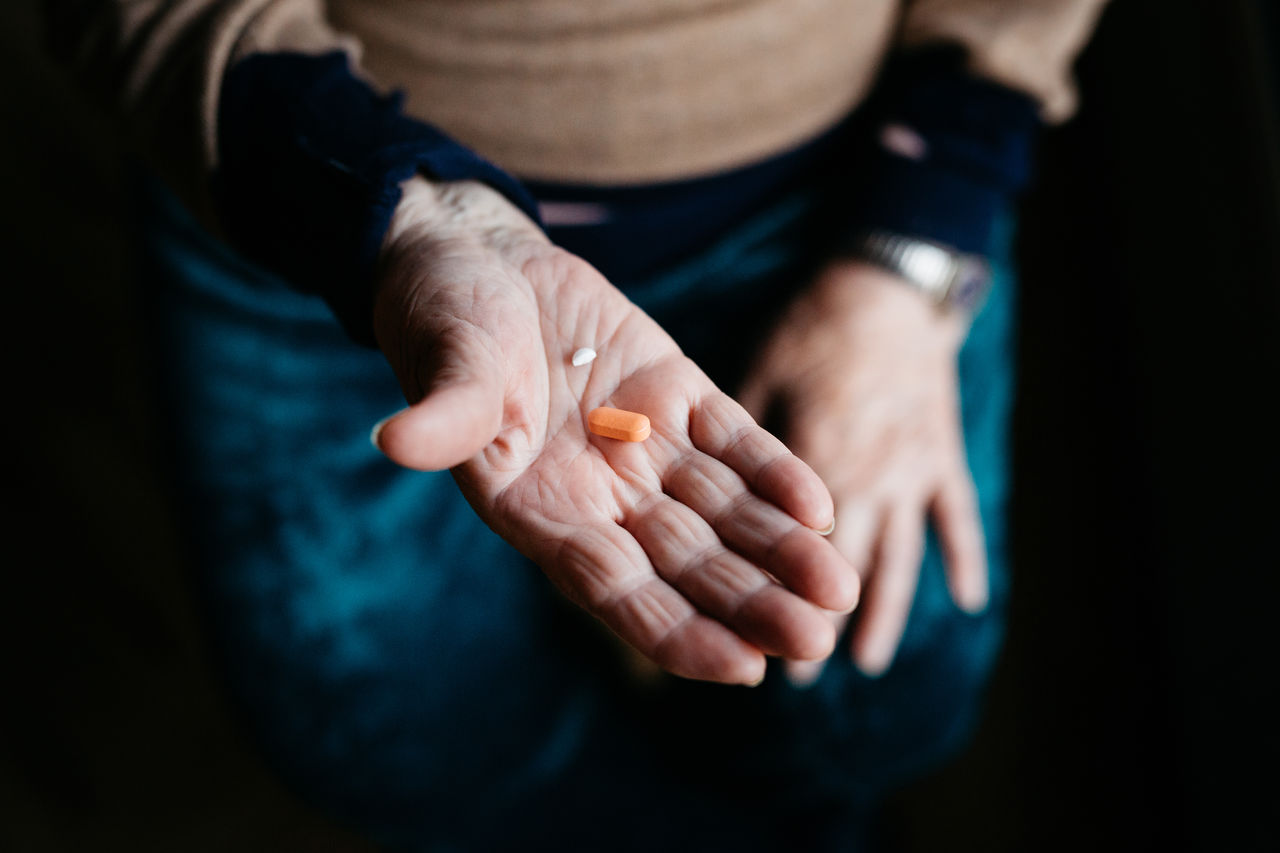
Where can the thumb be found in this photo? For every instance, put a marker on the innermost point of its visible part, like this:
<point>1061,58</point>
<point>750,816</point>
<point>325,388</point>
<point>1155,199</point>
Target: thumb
<point>458,418</point>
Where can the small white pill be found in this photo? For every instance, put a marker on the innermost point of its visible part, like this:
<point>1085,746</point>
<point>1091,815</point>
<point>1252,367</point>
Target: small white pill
<point>586,355</point>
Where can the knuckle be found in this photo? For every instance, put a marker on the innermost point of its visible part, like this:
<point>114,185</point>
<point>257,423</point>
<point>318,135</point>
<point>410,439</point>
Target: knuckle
<point>592,583</point>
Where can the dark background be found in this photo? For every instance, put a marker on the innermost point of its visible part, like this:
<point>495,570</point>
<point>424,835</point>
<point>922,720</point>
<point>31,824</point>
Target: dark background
<point>1135,707</point>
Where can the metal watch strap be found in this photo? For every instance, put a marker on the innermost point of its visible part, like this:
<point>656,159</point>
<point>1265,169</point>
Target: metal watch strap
<point>951,279</point>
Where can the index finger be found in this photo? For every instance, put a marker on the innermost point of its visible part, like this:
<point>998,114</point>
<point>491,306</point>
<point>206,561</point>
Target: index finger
<point>723,430</point>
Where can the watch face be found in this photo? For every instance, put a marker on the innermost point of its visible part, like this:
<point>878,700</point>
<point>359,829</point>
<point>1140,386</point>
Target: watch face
<point>970,287</point>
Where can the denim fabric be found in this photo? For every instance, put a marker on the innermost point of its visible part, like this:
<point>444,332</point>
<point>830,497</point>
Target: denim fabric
<point>411,674</point>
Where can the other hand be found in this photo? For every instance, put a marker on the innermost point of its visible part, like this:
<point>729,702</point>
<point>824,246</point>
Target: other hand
<point>861,376</point>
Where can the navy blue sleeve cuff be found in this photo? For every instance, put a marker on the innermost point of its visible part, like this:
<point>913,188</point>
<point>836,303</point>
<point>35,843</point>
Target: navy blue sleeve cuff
<point>310,162</point>
<point>945,153</point>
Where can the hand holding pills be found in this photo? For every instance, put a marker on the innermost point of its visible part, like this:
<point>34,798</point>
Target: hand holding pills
<point>697,542</point>
<point>863,372</point>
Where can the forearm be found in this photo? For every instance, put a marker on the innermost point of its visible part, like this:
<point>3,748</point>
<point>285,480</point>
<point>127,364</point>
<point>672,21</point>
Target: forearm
<point>161,65</point>
<point>951,127</point>
<point>258,115</point>
<point>1028,46</point>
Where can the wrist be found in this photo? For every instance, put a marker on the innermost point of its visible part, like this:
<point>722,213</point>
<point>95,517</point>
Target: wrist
<point>441,210</point>
<point>873,302</point>
<point>310,160</point>
<point>953,281</point>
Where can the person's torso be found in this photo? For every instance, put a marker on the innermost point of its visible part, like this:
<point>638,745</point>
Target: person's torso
<point>614,92</point>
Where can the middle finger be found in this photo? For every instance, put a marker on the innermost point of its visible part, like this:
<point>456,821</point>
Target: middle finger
<point>760,532</point>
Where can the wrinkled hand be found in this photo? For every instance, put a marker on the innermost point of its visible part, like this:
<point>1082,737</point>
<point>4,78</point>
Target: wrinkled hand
<point>862,375</point>
<point>696,546</point>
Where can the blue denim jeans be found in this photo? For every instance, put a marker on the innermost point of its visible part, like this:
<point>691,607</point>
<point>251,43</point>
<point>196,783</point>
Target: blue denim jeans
<point>410,673</point>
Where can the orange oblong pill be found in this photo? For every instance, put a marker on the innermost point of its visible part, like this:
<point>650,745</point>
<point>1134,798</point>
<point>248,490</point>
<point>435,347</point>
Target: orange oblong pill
<point>619,424</point>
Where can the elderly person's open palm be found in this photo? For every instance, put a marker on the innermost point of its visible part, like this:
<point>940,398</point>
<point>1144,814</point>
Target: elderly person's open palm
<point>696,546</point>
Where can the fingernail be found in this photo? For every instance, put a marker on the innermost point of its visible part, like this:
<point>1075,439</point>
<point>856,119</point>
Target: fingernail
<point>972,597</point>
<point>757,682</point>
<point>874,661</point>
<point>829,529</point>
<point>803,679</point>
<point>857,593</point>
<point>377,431</point>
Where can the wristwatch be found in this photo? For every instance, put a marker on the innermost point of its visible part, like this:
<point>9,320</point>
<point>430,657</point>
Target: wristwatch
<point>953,280</point>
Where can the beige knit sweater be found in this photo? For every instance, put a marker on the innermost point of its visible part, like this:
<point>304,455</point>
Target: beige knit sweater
<point>601,91</point>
